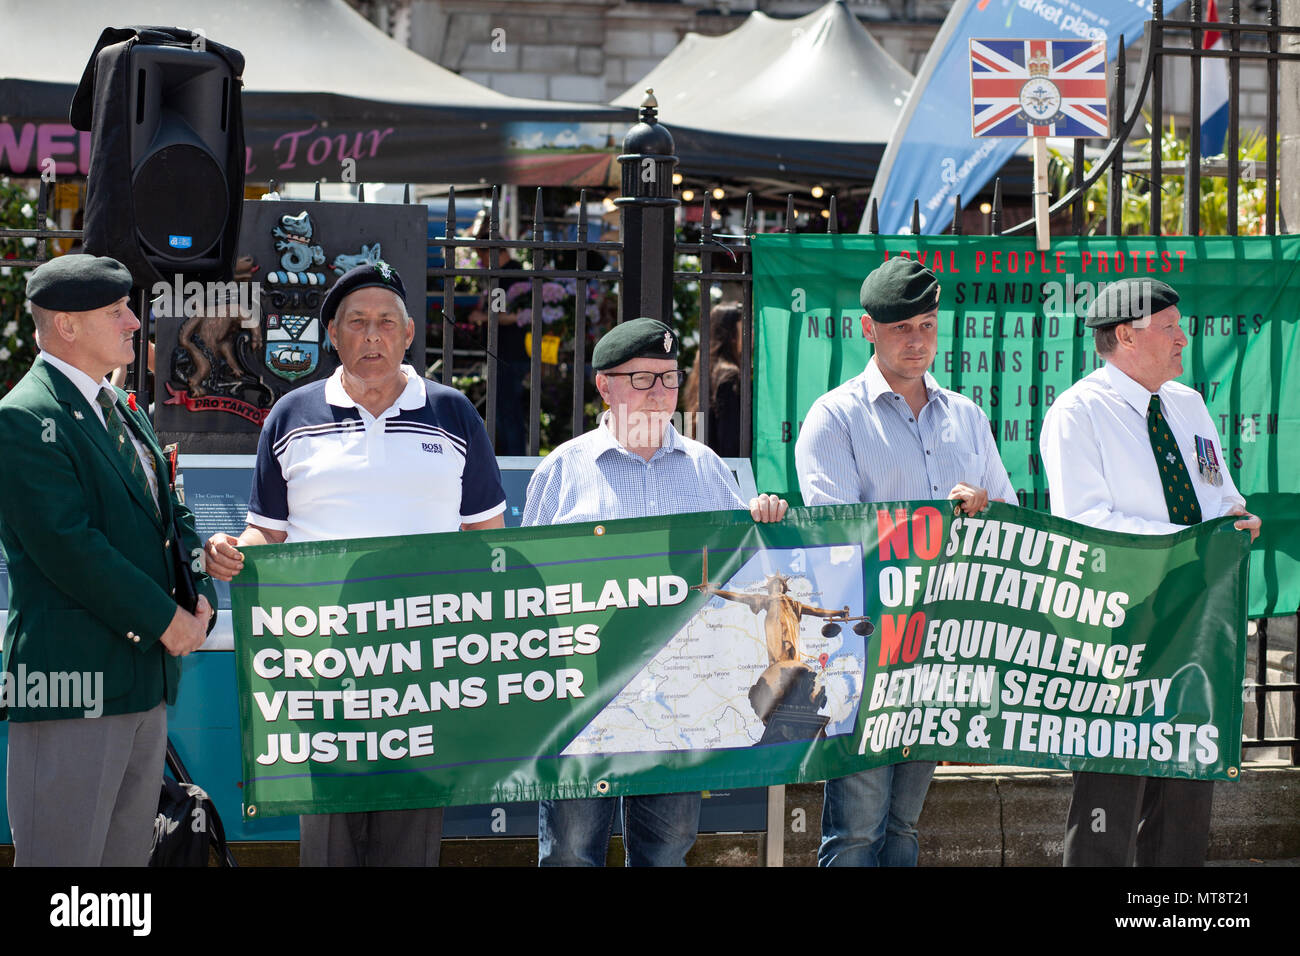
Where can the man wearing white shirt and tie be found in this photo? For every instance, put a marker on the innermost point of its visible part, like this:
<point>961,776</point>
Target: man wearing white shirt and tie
<point>1130,449</point>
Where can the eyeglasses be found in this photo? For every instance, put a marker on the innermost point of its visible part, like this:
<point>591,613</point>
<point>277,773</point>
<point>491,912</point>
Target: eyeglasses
<point>644,381</point>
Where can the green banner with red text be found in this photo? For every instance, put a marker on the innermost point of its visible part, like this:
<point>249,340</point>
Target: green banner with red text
<point>1010,340</point>
<point>706,651</point>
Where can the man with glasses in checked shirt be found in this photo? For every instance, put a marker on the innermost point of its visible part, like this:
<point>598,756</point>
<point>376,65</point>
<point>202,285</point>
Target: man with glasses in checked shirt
<point>633,464</point>
<point>1130,449</point>
<point>90,527</point>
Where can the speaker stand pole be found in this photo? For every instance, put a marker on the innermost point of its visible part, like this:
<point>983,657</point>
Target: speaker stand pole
<point>142,349</point>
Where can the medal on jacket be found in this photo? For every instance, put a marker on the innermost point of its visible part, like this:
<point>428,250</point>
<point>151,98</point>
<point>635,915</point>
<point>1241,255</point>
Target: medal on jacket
<point>171,451</point>
<point>1207,461</point>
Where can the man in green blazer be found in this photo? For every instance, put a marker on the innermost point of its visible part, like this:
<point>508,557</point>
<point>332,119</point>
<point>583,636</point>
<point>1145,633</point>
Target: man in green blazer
<point>89,524</point>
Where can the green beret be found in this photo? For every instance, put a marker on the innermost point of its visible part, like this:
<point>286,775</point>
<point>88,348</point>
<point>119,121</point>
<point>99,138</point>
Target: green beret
<point>78,283</point>
<point>639,338</point>
<point>899,289</point>
<point>1128,299</point>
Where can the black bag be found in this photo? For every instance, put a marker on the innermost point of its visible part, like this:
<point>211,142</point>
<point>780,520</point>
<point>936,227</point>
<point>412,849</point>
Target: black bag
<point>187,823</point>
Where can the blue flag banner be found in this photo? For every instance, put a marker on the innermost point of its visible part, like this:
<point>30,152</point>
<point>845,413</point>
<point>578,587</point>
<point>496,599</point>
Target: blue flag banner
<point>931,155</point>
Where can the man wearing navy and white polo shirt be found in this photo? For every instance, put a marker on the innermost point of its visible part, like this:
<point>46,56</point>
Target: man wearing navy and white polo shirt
<point>632,465</point>
<point>372,451</point>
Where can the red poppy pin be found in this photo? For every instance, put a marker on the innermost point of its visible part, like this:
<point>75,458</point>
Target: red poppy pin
<point>130,400</point>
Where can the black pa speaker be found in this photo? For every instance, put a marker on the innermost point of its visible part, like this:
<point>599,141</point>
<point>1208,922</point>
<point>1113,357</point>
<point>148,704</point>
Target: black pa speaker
<point>180,121</point>
<point>166,175</point>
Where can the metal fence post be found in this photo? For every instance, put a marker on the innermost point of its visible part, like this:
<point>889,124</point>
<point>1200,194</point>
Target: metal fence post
<point>648,213</point>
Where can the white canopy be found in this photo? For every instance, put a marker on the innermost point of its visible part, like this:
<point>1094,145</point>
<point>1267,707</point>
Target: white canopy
<point>311,46</point>
<point>313,69</point>
<point>821,77</point>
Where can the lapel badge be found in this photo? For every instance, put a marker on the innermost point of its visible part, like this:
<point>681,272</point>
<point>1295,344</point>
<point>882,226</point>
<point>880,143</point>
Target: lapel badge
<point>77,415</point>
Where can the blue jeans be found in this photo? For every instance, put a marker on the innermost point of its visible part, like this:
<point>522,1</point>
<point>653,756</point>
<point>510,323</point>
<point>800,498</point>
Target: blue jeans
<point>658,830</point>
<point>869,818</point>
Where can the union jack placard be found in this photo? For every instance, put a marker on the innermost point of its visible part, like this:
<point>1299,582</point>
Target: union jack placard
<point>1038,88</point>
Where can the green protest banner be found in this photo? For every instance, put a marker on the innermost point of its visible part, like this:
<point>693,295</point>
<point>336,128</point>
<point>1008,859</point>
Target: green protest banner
<point>706,651</point>
<point>1010,341</point>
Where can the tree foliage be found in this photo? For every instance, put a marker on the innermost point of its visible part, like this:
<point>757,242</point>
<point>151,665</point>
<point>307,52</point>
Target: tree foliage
<point>1135,213</point>
<point>17,343</point>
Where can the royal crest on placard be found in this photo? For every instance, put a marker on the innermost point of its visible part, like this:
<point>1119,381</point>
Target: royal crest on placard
<point>1040,99</point>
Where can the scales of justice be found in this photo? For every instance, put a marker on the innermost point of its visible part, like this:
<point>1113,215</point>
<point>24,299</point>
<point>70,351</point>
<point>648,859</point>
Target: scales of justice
<point>787,695</point>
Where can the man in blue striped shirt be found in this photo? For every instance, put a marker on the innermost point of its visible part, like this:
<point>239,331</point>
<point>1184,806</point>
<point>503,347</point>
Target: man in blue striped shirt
<point>893,434</point>
<point>632,465</point>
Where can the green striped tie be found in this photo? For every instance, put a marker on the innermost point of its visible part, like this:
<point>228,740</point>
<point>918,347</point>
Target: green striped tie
<point>1179,495</point>
<point>121,442</point>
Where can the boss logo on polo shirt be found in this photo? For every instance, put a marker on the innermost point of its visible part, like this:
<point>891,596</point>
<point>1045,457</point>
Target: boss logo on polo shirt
<point>433,447</point>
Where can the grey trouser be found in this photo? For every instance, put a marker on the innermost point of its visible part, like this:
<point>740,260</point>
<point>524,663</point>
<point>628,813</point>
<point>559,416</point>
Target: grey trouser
<point>373,838</point>
<point>84,792</point>
<point>1118,820</point>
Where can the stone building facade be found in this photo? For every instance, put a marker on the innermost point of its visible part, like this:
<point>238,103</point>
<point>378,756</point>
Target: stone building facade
<point>591,51</point>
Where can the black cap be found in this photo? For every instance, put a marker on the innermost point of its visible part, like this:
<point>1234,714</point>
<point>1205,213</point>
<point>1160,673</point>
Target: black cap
<point>1128,299</point>
<point>899,289</point>
<point>639,338</point>
<point>78,283</point>
<point>377,275</point>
